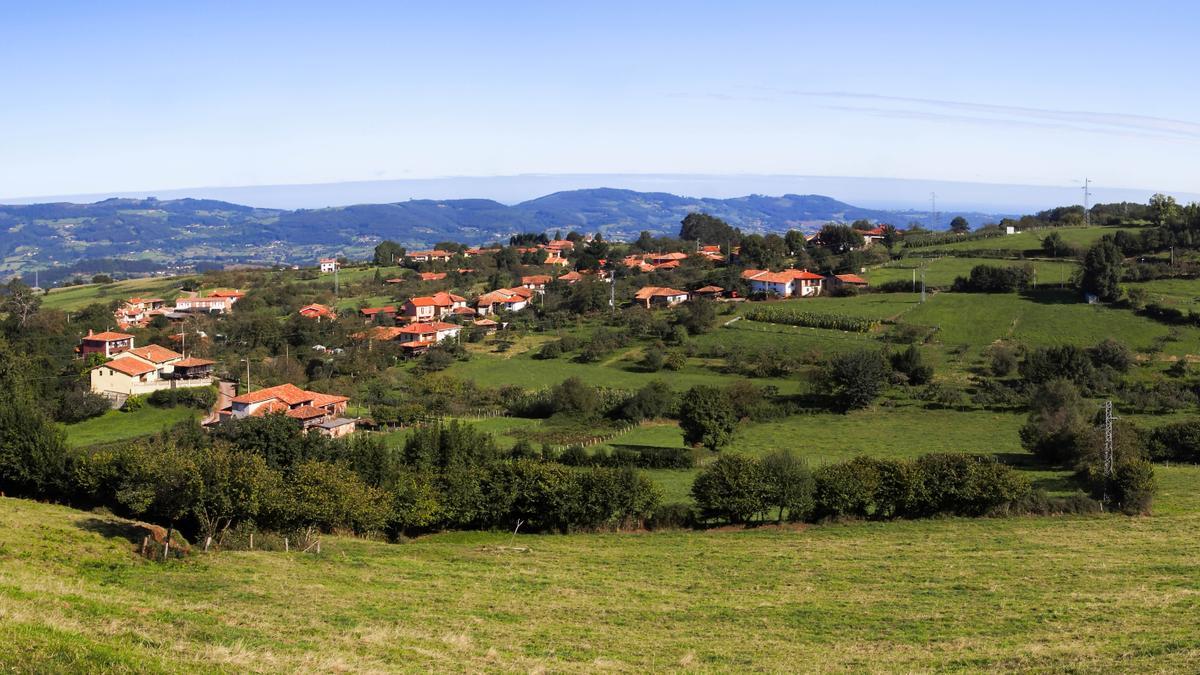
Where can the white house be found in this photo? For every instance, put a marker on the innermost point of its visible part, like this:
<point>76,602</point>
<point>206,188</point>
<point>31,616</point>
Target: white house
<point>329,265</point>
<point>785,284</point>
<point>147,369</point>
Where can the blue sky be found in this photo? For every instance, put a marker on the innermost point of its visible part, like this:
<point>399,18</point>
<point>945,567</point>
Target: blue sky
<point>147,96</point>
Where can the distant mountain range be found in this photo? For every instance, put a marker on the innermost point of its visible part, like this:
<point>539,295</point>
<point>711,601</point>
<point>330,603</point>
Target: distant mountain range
<point>190,232</point>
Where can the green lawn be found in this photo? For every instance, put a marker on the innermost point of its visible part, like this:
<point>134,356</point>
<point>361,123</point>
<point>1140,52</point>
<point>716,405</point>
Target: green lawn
<point>618,371</point>
<point>116,425</point>
<point>943,271</point>
<point>978,319</point>
<point>1181,293</point>
<point>1076,237</point>
<point>1079,594</point>
<point>72,298</point>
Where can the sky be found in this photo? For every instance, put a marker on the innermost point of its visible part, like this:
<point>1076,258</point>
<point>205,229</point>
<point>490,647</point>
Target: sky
<point>109,97</point>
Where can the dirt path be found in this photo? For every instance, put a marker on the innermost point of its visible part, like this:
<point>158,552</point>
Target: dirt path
<point>226,390</point>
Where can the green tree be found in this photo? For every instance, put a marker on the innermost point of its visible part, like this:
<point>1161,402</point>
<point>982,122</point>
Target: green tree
<point>388,252</point>
<point>789,485</point>
<point>733,488</point>
<point>855,379</point>
<point>33,451</point>
<point>708,229</point>
<point>19,302</point>
<point>840,238</point>
<point>960,225</point>
<point>1164,209</point>
<point>1102,269</point>
<point>1055,246</point>
<point>1058,423</point>
<point>706,417</point>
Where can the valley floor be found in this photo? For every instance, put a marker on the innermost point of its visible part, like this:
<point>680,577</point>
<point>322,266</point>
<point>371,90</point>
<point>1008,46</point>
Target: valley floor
<point>1104,593</point>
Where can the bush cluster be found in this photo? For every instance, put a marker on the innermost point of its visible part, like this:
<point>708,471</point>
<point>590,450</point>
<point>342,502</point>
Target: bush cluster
<point>201,398</point>
<point>795,317</point>
<point>741,489</point>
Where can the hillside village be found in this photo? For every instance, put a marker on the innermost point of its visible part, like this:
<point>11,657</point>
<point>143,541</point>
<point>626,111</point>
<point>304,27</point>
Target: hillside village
<point>713,379</point>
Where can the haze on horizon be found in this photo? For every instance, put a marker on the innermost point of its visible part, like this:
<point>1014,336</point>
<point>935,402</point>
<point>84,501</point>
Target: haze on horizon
<point>106,100</point>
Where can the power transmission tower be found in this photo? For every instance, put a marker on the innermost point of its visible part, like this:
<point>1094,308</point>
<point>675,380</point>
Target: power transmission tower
<point>1087,213</point>
<point>1108,448</point>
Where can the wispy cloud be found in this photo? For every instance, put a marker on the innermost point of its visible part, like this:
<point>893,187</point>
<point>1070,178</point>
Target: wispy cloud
<point>908,107</point>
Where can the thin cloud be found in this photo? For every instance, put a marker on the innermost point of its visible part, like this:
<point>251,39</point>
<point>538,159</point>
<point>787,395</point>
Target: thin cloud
<point>1081,120</point>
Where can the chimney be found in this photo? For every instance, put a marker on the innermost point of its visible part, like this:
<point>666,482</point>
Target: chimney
<point>91,332</point>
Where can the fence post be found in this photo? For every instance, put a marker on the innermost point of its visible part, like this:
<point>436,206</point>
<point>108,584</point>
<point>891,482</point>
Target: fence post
<point>251,541</point>
<point>286,548</point>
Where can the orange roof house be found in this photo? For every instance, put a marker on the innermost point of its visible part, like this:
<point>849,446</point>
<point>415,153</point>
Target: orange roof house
<point>510,299</point>
<point>107,343</point>
<point>432,307</point>
<point>709,291</point>
<point>317,312</point>
<point>432,276</point>
<point>849,280</point>
<point>784,284</point>
<point>661,296</point>
<point>288,399</point>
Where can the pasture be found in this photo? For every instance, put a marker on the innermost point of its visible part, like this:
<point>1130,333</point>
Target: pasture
<point>1095,593</point>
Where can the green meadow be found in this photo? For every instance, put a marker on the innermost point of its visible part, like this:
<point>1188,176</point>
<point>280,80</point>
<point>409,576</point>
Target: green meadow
<point>1081,594</point>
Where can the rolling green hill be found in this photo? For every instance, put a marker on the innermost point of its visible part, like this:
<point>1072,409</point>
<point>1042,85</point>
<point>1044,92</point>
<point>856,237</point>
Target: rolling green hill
<point>1083,594</point>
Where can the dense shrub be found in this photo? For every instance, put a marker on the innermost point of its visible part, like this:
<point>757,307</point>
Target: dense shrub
<point>731,489</point>
<point>855,379</point>
<point>201,398</point>
<point>672,516</point>
<point>1066,362</point>
<point>706,417</point>
<point>78,405</point>
<point>958,484</point>
<point>652,401</point>
<point>1178,442</point>
<point>994,279</point>
<point>795,317</point>
<point>908,362</point>
<point>1058,424</point>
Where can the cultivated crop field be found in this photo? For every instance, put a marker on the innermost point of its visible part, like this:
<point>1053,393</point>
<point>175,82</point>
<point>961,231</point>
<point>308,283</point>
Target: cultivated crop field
<point>971,594</point>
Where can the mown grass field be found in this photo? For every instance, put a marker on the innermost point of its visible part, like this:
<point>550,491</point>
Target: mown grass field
<point>76,297</point>
<point>943,271</point>
<point>1076,237</point>
<point>1080,594</point>
<point>116,425</point>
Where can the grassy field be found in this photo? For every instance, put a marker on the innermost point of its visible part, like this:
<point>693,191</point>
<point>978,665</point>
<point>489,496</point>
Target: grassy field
<point>76,297</point>
<point>1181,293</point>
<point>1076,237</point>
<point>116,425</point>
<point>943,271</point>
<point>1080,594</point>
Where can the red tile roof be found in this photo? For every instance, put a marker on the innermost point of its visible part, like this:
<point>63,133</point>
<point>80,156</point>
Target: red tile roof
<point>192,362</point>
<point>306,412</point>
<point>432,276</point>
<point>108,336</point>
<point>288,393</point>
<point>710,289</point>
<point>851,279</point>
<point>783,277</point>
<point>155,353</point>
<point>129,366</point>
<point>657,291</point>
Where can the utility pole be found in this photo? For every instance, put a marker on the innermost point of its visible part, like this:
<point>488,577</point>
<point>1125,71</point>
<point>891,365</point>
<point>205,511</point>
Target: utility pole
<point>922,284</point>
<point>1087,213</point>
<point>335,280</point>
<point>933,219</point>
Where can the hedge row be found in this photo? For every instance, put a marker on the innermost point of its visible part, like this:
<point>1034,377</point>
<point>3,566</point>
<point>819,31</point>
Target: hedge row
<point>793,317</point>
